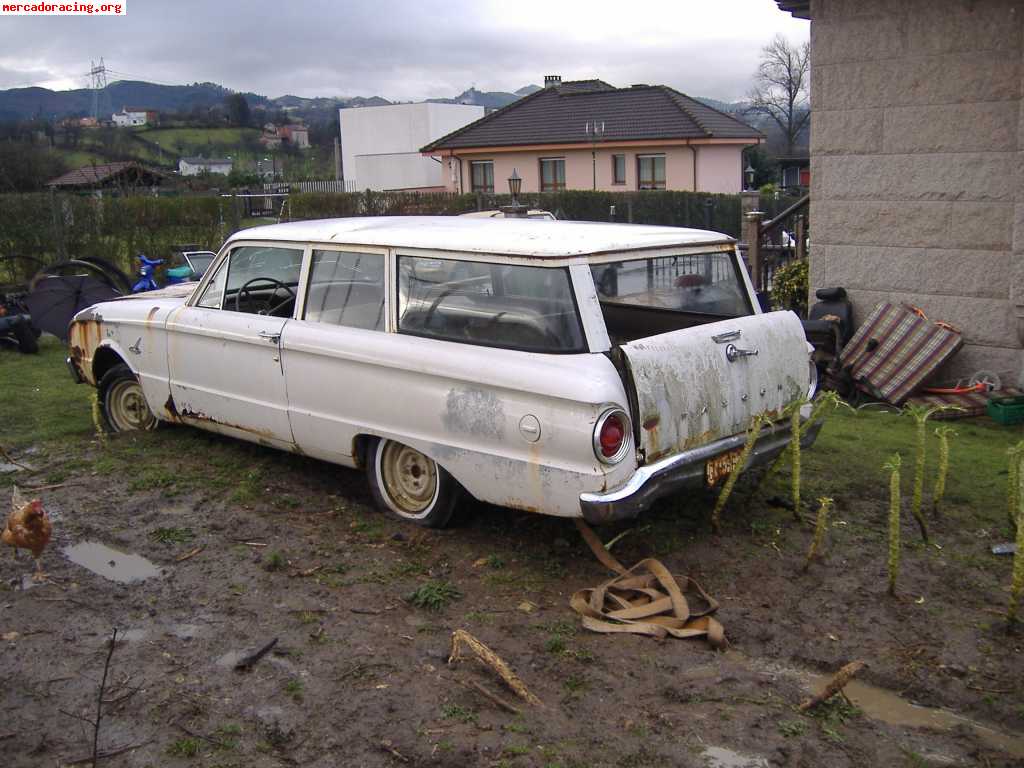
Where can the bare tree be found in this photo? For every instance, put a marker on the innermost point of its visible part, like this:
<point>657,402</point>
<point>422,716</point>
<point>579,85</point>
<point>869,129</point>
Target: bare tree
<point>782,86</point>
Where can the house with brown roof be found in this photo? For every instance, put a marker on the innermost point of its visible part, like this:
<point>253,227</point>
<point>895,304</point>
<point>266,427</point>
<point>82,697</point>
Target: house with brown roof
<point>120,178</point>
<point>587,134</point>
<point>916,158</point>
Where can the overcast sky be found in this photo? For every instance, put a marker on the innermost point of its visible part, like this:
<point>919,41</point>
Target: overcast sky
<point>401,50</point>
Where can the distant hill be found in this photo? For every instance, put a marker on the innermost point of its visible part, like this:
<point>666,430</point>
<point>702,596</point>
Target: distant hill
<point>487,99</point>
<point>26,103</point>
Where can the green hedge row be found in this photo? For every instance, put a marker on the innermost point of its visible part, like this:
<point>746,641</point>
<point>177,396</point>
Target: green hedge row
<point>679,209</point>
<point>47,227</point>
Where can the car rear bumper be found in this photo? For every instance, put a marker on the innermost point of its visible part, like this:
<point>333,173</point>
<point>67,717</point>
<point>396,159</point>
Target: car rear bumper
<point>680,471</point>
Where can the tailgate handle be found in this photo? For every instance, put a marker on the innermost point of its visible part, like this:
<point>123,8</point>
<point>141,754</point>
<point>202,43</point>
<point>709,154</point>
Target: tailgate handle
<point>734,353</point>
<point>721,338</point>
<point>270,336</point>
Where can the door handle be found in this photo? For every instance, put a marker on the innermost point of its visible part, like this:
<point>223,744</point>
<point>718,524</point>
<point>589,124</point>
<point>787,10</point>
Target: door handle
<point>270,336</point>
<point>734,353</point>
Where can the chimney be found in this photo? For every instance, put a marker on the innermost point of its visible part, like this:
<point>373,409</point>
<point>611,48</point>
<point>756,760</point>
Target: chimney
<point>552,81</point>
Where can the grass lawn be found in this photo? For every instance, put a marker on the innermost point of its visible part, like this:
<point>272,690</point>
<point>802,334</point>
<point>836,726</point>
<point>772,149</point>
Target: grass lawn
<point>197,138</point>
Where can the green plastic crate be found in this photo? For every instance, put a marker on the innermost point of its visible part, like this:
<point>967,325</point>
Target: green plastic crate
<point>1006,410</point>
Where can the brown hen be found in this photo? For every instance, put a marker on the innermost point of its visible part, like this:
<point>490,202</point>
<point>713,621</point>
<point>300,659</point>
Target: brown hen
<point>28,527</point>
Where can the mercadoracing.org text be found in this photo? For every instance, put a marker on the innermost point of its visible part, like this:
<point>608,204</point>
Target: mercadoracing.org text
<point>64,9</point>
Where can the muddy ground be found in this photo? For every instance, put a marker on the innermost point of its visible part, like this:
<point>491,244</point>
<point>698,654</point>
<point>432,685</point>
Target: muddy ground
<point>291,549</point>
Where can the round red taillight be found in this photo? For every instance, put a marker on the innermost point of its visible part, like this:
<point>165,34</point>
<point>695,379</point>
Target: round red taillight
<point>611,436</point>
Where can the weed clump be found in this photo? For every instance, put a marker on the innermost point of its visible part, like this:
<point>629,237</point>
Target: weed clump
<point>723,497</point>
<point>434,595</point>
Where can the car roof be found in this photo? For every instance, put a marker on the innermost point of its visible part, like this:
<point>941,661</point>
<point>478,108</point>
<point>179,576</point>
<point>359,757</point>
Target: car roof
<point>515,237</point>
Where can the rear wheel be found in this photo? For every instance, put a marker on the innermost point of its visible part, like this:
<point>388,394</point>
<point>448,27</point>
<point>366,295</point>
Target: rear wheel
<point>123,402</point>
<point>410,486</point>
<point>27,340</point>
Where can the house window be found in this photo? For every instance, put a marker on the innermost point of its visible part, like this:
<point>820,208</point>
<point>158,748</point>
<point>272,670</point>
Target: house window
<point>482,175</point>
<point>618,169</point>
<point>552,174</point>
<point>650,171</point>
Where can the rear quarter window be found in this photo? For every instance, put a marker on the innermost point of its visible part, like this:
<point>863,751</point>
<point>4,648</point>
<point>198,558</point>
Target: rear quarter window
<point>496,305</point>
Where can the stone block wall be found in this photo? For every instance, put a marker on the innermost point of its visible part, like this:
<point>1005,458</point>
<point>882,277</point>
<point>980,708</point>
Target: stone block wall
<point>917,164</point>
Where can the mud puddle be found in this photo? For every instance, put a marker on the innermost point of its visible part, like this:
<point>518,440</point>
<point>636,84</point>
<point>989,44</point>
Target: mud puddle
<point>720,757</point>
<point>111,564</point>
<point>886,706</point>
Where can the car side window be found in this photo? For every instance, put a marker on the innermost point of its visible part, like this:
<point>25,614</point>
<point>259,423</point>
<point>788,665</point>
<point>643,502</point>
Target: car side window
<point>256,279</point>
<point>489,304</point>
<point>346,288</point>
<point>213,296</point>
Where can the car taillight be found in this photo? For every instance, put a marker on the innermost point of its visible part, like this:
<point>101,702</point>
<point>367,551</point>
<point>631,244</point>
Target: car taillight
<point>611,436</point>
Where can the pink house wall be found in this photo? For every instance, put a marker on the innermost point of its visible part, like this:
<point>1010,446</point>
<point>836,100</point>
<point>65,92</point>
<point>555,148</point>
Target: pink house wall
<point>719,168</point>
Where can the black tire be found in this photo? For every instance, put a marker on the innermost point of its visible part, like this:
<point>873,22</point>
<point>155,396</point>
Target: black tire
<point>410,486</point>
<point>122,403</point>
<point>28,343</point>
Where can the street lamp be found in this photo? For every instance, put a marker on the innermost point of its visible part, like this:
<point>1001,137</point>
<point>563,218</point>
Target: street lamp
<point>750,175</point>
<point>514,209</point>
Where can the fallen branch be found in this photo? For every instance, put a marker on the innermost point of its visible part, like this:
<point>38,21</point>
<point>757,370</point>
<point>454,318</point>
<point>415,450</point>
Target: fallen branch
<point>305,573</point>
<point>461,637</point>
<point>366,611</point>
<point>492,697</point>
<point>10,460</point>
<point>99,700</point>
<point>835,685</point>
<point>248,661</point>
<point>108,753</point>
<point>189,555</point>
<point>387,746</point>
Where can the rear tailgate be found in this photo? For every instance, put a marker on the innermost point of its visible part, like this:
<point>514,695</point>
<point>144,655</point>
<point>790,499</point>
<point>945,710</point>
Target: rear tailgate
<point>696,385</point>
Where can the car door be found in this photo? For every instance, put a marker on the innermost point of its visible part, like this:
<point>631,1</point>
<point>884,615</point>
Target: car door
<point>335,354</point>
<point>224,350</point>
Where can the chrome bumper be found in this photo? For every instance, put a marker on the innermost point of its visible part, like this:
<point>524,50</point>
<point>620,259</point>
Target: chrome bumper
<point>683,470</point>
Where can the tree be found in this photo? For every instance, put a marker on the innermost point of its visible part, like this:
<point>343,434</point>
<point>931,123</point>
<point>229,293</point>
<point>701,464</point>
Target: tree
<point>238,110</point>
<point>782,86</point>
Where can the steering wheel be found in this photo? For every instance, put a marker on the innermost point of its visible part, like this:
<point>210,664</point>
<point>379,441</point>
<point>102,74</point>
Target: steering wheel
<point>269,307</point>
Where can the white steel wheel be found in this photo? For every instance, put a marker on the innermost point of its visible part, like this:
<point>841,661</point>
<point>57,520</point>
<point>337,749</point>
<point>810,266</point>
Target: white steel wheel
<point>123,403</point>
<point>411,486</point>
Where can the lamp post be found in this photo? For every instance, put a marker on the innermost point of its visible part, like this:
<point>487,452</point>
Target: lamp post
<point>749,172</point>
<point>514,209</point>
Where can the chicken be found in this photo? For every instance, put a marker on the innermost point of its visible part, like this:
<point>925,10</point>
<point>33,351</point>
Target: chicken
<point>28,527</point>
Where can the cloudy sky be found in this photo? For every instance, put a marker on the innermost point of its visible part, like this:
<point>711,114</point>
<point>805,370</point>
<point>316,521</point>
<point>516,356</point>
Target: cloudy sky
<point>401,49</point>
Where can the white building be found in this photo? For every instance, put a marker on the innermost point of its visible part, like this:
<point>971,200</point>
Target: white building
<point>132,116</point>
<point>193,166</point>
<point>380,145</point>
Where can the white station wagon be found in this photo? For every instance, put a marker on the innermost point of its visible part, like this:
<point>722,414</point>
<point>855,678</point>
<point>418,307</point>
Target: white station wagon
<point>567,368</point>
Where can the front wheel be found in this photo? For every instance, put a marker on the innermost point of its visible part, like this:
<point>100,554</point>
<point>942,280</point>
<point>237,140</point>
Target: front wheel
<point>411,486</point>
<point>123,403</point>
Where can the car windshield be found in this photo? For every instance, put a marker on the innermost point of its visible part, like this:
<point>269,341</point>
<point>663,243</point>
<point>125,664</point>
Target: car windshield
<point>702,283</point>
<point>496,305</point>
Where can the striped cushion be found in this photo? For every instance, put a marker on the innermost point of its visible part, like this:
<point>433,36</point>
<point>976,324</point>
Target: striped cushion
<point>907,350</point>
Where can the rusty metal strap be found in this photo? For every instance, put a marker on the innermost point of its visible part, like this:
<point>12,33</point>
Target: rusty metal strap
<point>644,600</point>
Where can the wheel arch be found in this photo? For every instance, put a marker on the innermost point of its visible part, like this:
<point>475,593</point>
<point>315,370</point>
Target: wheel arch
<point>105,358</point>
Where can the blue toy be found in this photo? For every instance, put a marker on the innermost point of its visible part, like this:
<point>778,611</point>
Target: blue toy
<point>147,269</point>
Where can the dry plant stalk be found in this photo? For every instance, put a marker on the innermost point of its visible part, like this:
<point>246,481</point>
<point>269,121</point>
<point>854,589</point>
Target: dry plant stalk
<point>794,450</point>
<point>893,465</point>
<point>819,530</point>
<point>835,685</point>
<point>461,637</point>
<point>723,497</point>
<point>943,433</point>
<point>920,414</point>
<point>97,418</point>
<point>1013,454</point>
<point>822,401</point>
<point>1017,583</point>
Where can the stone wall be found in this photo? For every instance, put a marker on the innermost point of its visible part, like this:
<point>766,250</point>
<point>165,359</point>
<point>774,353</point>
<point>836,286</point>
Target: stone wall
<point>917,151</point>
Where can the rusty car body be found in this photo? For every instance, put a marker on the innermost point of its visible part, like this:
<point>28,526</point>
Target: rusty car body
<point>566,368</point>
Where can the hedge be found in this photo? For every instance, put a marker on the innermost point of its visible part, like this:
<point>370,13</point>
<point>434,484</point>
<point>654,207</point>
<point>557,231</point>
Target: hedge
<point>48,227</point>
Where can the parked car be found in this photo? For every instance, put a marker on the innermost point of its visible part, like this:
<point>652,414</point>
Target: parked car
<point>566,368</point>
